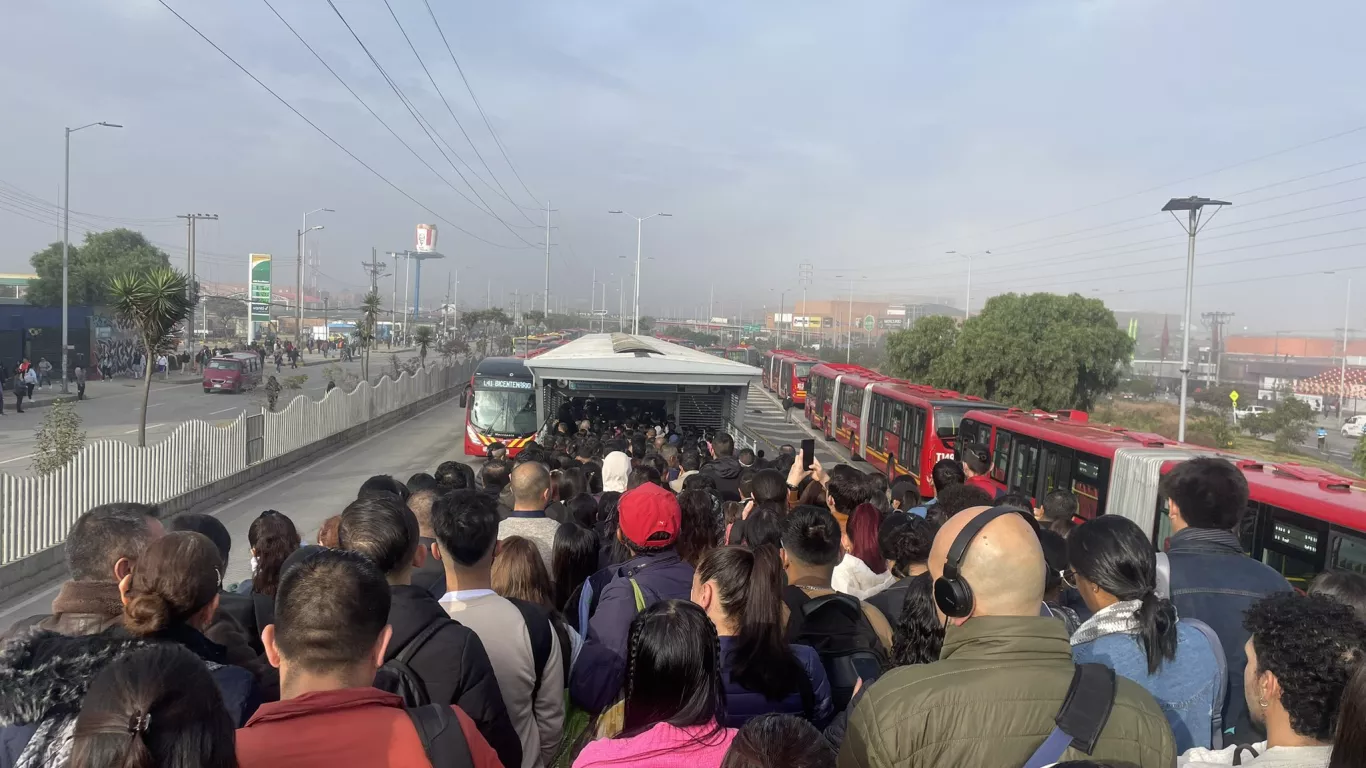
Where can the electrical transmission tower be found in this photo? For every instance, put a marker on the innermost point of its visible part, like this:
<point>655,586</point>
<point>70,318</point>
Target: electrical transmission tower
<point>1215,322</point>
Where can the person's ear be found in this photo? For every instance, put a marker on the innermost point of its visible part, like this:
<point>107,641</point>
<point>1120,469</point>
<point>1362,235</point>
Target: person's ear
<point>1270,687</point>
<point>272,650</point>
<point>125,584</point>
<point>419,557</point>
<point>122,567</point>
<point>436,551</point>
<point>382,645</point>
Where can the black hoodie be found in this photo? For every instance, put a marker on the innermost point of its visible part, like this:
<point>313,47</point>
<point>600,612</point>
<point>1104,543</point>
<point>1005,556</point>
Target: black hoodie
<point>726,472</point>
<point>454,666</point>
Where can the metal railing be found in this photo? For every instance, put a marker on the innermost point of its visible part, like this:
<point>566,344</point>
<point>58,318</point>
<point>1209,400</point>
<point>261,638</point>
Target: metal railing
<point>36,512</point>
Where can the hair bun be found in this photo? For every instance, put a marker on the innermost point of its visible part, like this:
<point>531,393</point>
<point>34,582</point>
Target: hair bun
<point>147,614</point>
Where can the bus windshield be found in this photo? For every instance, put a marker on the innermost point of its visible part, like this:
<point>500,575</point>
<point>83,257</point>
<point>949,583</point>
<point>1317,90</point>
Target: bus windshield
<point>504,412</point>
<point>804,369</point>
<point>946,420</point>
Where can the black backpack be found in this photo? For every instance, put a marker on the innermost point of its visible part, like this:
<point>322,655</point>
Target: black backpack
<point>397,676</point>
<point>442,739</point>
<point>538,629</point>
<point>839,631</point>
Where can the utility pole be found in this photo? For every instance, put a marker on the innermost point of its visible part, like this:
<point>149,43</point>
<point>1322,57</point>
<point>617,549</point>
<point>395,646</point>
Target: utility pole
<point>1193,205</point>
<point>374,267</point>
<point>191,289</point>
<point>1216,321</point>
<point>621,306</point>
<point>393,301</point>
<point>548,209</point>
<point>804,277</point>
<point>327,329</point>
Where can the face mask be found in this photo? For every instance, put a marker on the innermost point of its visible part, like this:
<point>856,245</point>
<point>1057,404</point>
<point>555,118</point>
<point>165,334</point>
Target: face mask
<point>253,564</point>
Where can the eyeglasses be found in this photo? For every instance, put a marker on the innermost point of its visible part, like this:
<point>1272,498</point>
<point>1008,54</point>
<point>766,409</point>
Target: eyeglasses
<point>1069,578</point>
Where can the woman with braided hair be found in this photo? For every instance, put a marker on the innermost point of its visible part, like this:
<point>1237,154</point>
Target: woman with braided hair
<point>674,695</point>
<point>154,708</point>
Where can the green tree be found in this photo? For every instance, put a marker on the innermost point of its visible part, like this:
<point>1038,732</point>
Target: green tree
<point>92,267</point>
<point>1290,422</point>
<point>534,317</point>
<point>152,303</point>
<point>498,317</point>
<point>1039,350</point>
<point>1359,456</point>
<point>912,353</point>
<point>59,438</point>
<point>423,339</point>
<point>471,320</point>
<point>1254,424</point>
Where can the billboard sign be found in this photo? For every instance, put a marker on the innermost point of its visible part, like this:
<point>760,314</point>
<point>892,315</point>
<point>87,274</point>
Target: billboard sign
<point>869,323</point>
<point>426,238</point>
<point>260,287</point>
<point>896,311</point>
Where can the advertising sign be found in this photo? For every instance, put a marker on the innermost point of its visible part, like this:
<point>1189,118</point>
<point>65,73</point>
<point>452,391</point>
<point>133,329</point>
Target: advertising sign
<point>869,323</point>
<point>426,238</point>
<point>896,310</point>
<point>260,287</point>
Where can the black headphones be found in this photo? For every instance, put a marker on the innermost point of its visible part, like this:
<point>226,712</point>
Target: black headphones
<point>952,594</point>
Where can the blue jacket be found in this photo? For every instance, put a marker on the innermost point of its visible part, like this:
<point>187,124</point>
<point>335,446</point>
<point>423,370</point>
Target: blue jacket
<point>601,667</point>
<point>743,705</point>
<point>1213,581</point>
<point>1185,687</point>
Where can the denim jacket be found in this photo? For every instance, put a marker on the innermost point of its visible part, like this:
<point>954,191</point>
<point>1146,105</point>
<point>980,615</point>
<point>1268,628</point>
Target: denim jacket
<point>1185,687</point>
<point>1214,581</point>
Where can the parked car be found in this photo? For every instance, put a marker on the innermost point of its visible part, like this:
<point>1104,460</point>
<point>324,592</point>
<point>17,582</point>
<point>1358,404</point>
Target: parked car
<point>1251,410</point>
<point>1353,427</point>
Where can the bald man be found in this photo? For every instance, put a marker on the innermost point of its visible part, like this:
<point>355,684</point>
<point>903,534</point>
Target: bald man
<point>530,486</point>
<point>1002,674</point>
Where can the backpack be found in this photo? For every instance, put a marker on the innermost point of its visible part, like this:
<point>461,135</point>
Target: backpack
<point>839,631</point>
<point>442,739</point>
<point>397,676</point>
<point>537,621</point>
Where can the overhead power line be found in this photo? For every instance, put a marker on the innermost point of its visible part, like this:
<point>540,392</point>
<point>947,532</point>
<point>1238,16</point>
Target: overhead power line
<point>325,134</point>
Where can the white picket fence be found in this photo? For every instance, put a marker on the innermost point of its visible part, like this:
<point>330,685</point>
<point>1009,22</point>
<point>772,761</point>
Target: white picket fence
<point>36,512</point>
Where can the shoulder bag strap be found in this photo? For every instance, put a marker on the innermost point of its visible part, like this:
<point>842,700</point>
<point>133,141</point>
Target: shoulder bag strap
<point>410,650</point>
<point>1083,715</point>
<point>538,630</point>
<point>1221,685</point>
<point>442,739</point>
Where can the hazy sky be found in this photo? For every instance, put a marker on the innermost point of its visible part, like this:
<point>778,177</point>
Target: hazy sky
<point>866,138</point>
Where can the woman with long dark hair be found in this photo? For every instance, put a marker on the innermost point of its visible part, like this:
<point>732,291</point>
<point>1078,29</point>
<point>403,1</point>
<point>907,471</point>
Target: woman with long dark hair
<point>697,534</point>
<point>741,590</point>
<point>272,537</point>
<point>779,741</point>
<point>172,596</point>
<point>863,571</point>
<point>1136,633</point>
<point>1349,745</point>
<point>674,694</point>
<point>154,708</point>
<point>572,561</point>
<point>919,632</point>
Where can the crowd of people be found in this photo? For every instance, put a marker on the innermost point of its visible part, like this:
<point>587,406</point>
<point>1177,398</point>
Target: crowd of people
<point>620,594</point>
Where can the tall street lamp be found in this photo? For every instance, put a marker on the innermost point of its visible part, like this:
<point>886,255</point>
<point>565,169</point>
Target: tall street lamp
<point>1193,205</point>
<point>1346,320</point>
<point>967,300</point>
<point>304,229</point>
<point>66,244</point>
<point>635,324</point>
<point>849,350</point>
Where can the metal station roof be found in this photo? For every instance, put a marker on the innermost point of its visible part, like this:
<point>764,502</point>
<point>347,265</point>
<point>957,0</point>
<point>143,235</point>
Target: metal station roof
<point>624,358</point>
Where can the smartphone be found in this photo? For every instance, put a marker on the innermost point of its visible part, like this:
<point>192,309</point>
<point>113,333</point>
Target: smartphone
<point>808,453</point>
<point>868,670</point>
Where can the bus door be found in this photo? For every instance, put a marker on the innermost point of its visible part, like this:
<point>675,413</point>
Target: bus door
<point>1055,470</point>
<point>879,420</point>
<point>832,416</point>
<point>1024,465</point>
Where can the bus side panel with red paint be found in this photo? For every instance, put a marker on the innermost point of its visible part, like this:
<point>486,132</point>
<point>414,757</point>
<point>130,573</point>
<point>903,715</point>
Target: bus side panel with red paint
<point>792,374</point>
<point>820,393</point>
<point>911,426</point>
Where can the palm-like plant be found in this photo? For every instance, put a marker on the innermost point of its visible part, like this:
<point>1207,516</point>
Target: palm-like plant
<point>153,303</point>
<point>424,338</point>
<point>367,327</point>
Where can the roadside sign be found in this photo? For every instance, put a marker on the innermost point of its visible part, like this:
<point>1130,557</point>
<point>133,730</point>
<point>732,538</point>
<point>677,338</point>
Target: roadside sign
<point>869,323</point>
<point>751,329</point>
<point>1233,396</point>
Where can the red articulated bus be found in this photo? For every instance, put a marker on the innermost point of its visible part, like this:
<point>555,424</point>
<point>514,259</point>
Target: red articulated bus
<point>792,373</point>
<point>1299,520</point>
<point>500,406</point>
<point>820,393</point>
<point>770,364</point>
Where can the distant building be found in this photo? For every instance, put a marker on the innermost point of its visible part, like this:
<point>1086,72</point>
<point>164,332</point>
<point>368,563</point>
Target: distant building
<point>14,288</point>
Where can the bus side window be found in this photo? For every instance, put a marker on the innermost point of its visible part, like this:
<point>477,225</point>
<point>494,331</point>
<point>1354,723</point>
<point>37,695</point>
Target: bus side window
<point>1002,462</point>
<point>1348,553</point>
<point>915,438</point>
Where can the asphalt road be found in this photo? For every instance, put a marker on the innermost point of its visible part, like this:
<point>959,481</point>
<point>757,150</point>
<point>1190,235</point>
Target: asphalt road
<point>111,409</point>
<point>313,493</point>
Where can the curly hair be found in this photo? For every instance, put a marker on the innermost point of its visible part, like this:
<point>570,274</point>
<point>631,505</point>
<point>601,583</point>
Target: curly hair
<point>1312,644</point>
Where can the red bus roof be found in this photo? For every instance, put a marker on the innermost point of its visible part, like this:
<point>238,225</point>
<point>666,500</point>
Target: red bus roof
<point>789,354</point>
<point>831,370</point>
<point>1072,429</point>
<point>864,378</point>
<point>907,392</point>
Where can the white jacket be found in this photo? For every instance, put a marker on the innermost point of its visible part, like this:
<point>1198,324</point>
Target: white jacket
<point>1276,757</point>
<point>853,577</point>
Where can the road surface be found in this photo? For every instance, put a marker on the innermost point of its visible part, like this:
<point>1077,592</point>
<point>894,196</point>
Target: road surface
<point>313,493</point>
<point>112,408</point>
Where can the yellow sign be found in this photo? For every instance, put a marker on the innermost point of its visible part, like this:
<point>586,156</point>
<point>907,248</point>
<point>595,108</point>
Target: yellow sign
<point>1233,396</point>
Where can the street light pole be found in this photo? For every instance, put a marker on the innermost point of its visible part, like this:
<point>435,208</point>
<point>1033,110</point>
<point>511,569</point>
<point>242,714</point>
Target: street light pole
<point>66,244</point>
<point>640,221</point>
<point>304,229</point>
<point>967,300</point>
<point>1193,205</point>
<point>1346,319</point>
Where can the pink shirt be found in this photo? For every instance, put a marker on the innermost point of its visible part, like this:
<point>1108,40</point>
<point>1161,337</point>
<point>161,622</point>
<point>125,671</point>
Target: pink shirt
<point>663,746</point>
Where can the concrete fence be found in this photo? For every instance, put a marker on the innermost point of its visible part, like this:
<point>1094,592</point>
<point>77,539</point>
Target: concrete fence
<point>199,461</point>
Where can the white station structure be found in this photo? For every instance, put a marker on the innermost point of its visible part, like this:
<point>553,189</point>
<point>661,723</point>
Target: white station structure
<point>699,391</point>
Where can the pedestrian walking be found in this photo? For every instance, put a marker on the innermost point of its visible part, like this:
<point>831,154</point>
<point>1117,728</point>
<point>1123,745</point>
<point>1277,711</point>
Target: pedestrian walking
<point>272,392</point>
<point>30,381</point>
<point>279,362</point>
<point>80,382</point>
<point>1323,439</point>
<point>20,389</point>
<point>44,372</point>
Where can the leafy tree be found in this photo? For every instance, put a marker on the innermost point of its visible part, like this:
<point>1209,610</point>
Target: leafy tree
<point>92,267</point>
<point>912,353</point>
<point>647,325</point>
<point>1359,456</point>
<point>498,317</point>
<point>534,317</point>
<point>423,338</point>
<point>471,320</point>
<point>1290,422</point>
<point>225,308</point>
<point>152,303</point>
<point>59,438</point>
<point>1040,350</point>
<point>1254,424</point>
<point>449,347</point>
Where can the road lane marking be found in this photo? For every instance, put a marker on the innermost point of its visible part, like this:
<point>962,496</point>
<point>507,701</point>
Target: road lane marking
<point>149,426</point>
<point>225,410</point>
<point>17,458</point>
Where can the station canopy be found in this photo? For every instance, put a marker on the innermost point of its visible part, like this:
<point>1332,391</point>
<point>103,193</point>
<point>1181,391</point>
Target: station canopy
<point>623,358</point>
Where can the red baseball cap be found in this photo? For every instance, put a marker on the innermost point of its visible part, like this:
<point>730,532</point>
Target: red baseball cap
<point>648,510</point>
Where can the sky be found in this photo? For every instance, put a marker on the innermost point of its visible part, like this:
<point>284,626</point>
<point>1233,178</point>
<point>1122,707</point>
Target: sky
<point>865,138</point>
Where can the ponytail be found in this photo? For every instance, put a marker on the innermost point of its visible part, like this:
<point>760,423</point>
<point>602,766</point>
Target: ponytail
<point>749,586</point>
<point>1157,629</point>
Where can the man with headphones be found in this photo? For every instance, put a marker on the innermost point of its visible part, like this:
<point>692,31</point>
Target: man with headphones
<point>1004,673</point>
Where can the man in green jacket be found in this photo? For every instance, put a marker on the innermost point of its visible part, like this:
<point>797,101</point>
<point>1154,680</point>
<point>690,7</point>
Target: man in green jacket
<point>1001,678</point>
